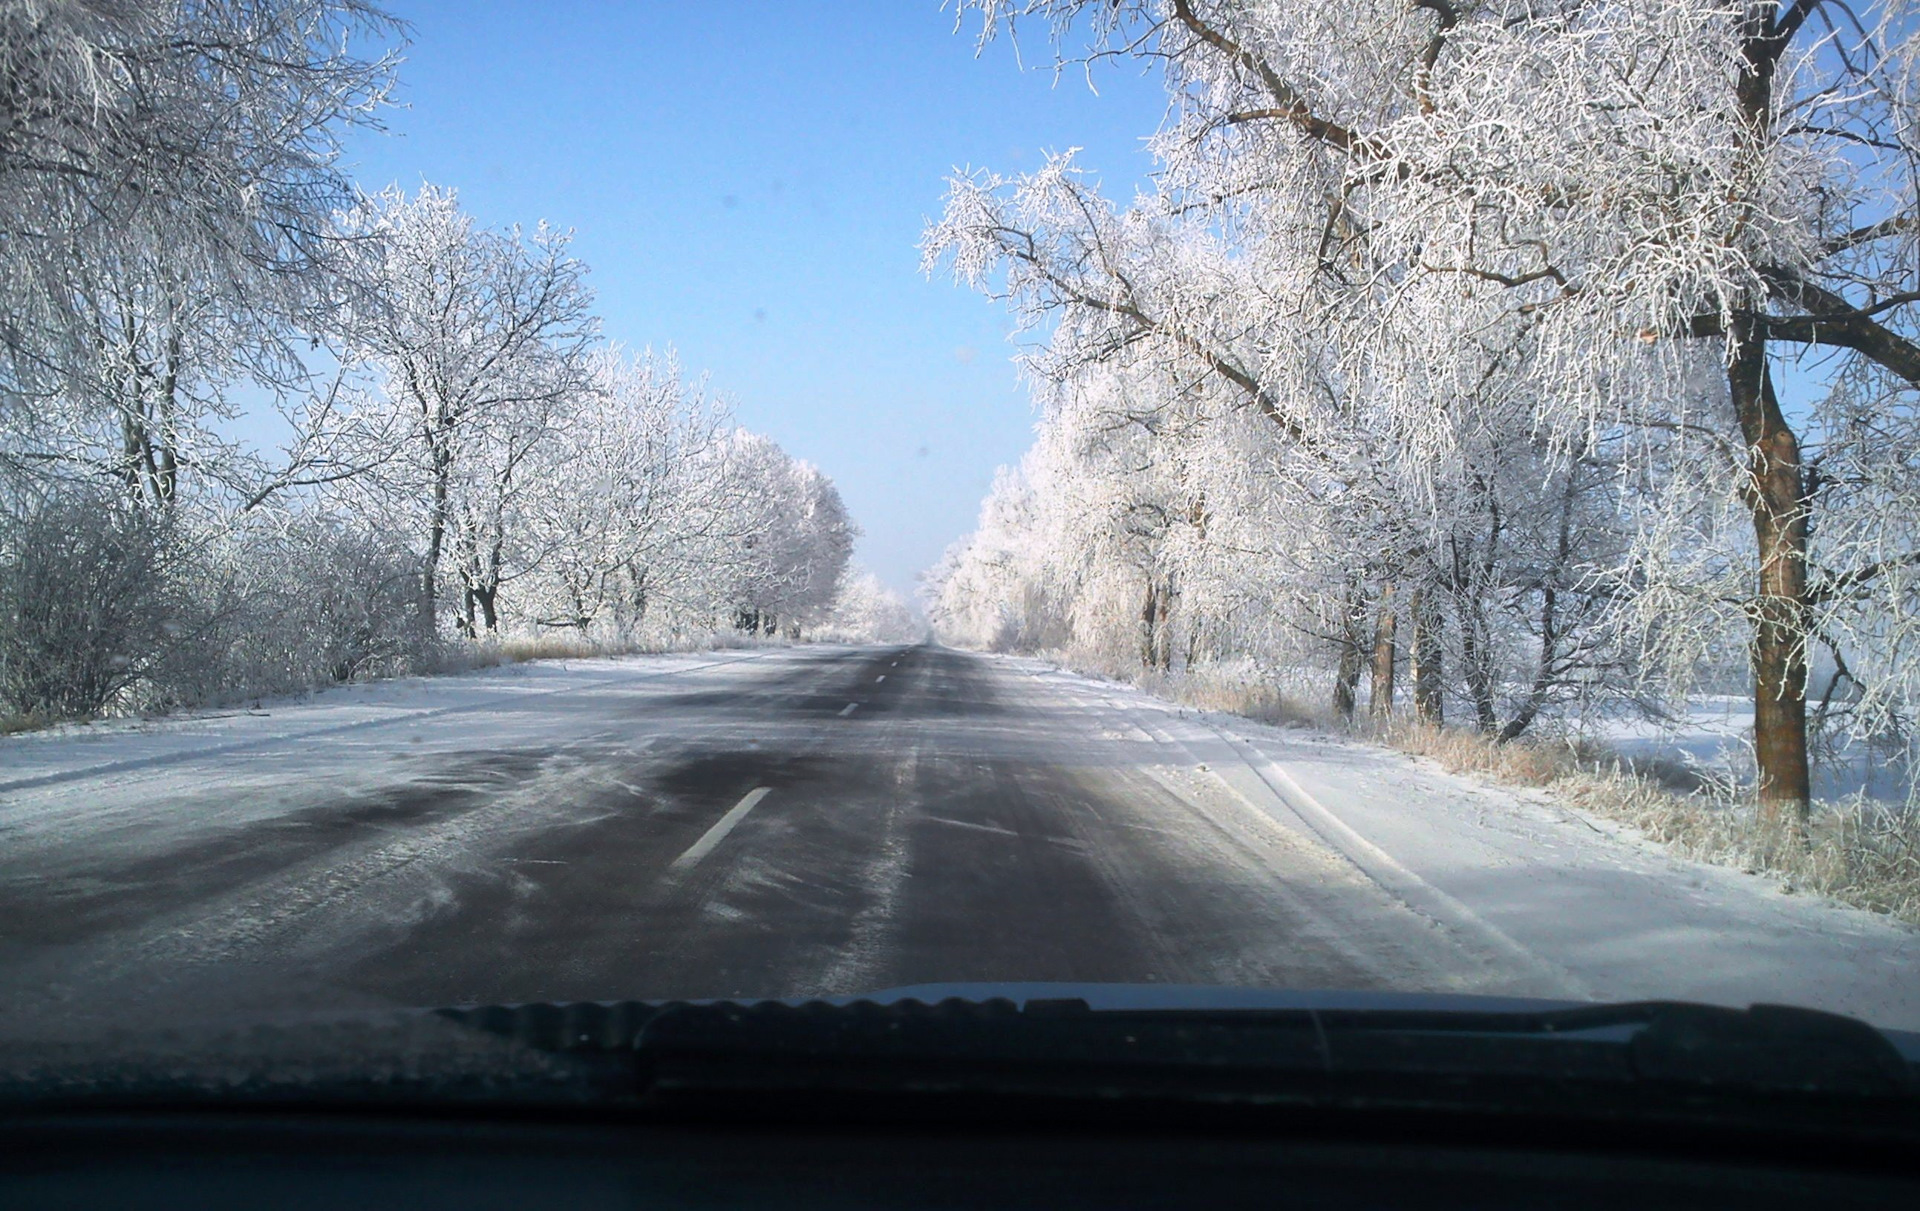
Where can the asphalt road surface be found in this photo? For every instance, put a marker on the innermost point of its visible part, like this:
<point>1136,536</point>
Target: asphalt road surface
<point>786,823</point>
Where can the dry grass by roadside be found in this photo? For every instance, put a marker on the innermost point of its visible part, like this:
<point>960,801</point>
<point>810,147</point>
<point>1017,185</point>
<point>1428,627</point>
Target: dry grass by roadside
<point>557,647</point>
<point>463,656</point>
<point>1235,695</point>
<point>1859,851</point>
<point>11,725</point>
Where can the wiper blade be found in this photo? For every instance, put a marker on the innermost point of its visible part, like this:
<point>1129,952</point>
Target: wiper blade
<point>1770,1047</point>
<point>976,1044</point>
<point>1646,1070</point>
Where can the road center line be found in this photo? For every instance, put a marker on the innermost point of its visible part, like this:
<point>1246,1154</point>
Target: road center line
<point>718,833</point>
<point>847,709</point>
<point>984,828</point>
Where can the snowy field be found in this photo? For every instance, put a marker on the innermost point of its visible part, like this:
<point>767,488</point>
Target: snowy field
<point>1715,737</point>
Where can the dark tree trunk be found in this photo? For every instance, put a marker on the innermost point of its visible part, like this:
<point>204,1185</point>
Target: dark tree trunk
<point>1427,684</point>
<point>1346,679</point>
<point>488,597</point>
<point>1163,626</point>
<point>582,617</point>
<point>167,469</point>
<point>436,544</point>
<point>487,586</point>
<point>1476,667</point>
<point>1346,683</point>
<point>1148,613</point>
<point>1776,497</point>
<point>1547,670</point>
<point>1380,699</point>
<point>1469,576</point>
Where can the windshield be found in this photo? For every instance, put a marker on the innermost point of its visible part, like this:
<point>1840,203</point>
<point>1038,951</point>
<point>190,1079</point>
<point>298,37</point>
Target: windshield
<point>597,502</point>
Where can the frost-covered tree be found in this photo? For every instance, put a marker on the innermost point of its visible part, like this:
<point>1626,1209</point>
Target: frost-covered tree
<point>167,168</point>
<point>790,537</point>
<point>630,523</point>
<point>482,340</point>
<point>179,254</point>
<point>866,611</point>
<point>1385,223</point>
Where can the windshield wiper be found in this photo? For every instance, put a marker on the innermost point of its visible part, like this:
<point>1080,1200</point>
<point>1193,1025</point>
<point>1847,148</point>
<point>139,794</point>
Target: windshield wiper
<point>1659,1072</point>
<point>1765,1049</point>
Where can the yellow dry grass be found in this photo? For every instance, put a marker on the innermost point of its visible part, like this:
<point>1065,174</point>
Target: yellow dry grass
<point>1858,851</point>
<point>14,724</point>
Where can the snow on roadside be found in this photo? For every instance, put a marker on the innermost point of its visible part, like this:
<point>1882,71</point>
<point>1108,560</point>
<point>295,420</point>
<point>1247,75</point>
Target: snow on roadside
<point>71,750</point>
<point>70,798</point>
<point>1619,917</point>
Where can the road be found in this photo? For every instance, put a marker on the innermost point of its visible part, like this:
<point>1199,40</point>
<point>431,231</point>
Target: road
<point>822,820</point>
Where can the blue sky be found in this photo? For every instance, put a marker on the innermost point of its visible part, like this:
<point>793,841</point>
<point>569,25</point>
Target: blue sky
<point>748,181</point>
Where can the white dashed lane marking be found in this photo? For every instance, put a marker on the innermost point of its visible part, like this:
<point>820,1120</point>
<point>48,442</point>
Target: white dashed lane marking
<point>718,833</point>
<point>847,709</point>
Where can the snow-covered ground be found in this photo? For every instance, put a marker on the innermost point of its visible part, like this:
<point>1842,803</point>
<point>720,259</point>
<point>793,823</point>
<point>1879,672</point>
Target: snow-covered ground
<point>1021,822</point>
<point>1569,905</point>
<point>482,700</point>
<point>81,796</point>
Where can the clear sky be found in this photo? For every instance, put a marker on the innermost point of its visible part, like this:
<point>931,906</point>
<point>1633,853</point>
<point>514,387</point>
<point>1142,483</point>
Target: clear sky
<point>748,180</point>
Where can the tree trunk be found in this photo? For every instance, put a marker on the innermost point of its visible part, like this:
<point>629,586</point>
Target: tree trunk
<point>1346,679</point>
<point>1163,622</point>
<point>1148,613</point>
<point>1547,669</point>
<point>1476,666</point>
<point>1776,497</point>
<point>1427,692</point>
<point>167,479</point>
<point>488,596</point>
<point>1346,682</point>
<point>489,586</point>
<point>1775,493</point>
<point>1380,700</point>
<point>639,595</point>
<point>436,543</point>
<point>582,619</point>
<point>465,621</point>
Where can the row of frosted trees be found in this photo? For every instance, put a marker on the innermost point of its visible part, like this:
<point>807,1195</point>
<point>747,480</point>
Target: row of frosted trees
<point>260,431</point>
<point>1486,358</point>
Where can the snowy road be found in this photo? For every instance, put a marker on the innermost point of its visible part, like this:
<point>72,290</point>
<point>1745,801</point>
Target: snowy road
<point>824,820</point>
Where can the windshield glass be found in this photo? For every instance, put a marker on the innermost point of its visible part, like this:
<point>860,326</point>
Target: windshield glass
<point>587,502</point>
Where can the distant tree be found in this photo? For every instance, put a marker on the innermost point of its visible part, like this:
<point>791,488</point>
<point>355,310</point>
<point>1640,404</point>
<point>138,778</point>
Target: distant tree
<point>792,537</point>
<point>483,341</point>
